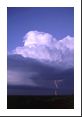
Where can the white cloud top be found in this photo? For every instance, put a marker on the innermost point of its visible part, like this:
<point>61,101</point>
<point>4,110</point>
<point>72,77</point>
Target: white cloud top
<point>44,47</point>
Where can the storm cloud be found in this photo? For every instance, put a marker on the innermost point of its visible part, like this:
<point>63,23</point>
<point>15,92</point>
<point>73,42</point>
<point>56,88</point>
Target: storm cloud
<point>29,76</point>
<point>41,64</point>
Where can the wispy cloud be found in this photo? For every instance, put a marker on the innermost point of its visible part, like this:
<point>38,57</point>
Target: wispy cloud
<point>21,78</point>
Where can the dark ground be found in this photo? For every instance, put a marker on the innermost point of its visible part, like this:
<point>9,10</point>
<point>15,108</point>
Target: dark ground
<point>40,102</point>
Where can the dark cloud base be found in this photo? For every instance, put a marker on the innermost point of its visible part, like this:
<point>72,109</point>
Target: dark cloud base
<point>43,80</point>
<point>37,91</point>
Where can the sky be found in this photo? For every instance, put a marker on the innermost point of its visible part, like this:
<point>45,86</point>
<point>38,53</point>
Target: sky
<point>40,43</point>
<point>58,21</point>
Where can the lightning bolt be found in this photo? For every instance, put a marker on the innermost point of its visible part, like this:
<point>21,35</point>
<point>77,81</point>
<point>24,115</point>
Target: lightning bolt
<point>56,82</point>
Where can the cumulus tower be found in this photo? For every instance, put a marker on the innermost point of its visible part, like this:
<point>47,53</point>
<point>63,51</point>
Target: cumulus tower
<point>44,47</point>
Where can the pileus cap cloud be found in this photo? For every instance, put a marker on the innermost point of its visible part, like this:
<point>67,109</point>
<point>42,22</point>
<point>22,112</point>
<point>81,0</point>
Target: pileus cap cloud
<point>44,47</point>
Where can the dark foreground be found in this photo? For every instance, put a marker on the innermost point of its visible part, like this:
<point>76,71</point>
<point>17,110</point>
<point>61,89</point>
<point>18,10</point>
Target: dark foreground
<point>40,102</point>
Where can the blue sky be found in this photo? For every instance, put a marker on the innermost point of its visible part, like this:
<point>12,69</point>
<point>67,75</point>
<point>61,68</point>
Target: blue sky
<point>57,21</point>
